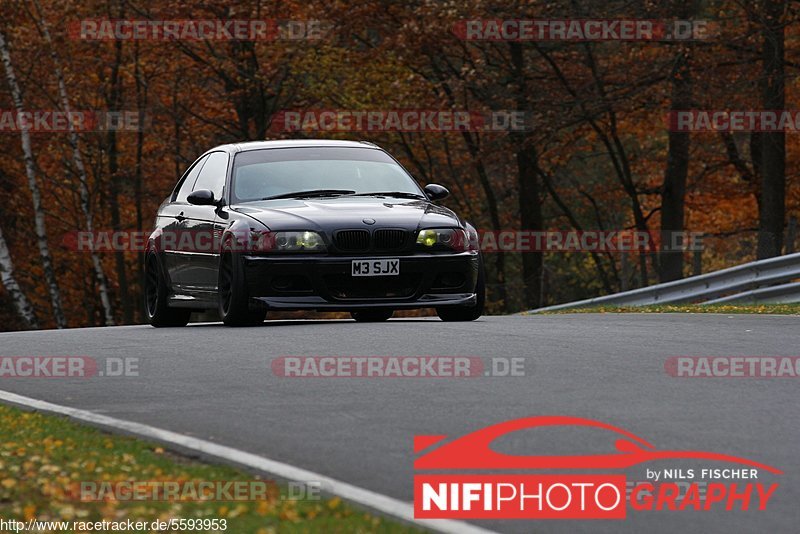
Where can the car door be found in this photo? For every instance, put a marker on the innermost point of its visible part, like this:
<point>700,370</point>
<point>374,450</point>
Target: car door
<point>174,213</point>
<point>203,225</point>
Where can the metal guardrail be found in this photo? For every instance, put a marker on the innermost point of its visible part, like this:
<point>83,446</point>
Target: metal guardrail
<point>758,282</point>
<point>776,294</point>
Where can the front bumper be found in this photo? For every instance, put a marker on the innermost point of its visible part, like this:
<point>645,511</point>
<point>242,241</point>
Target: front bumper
<point>324,282</point>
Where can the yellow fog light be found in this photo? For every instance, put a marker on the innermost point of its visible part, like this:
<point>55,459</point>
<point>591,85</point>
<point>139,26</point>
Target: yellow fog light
<point>303,241</point>
<point>427,238</point>
<point>309,240</point>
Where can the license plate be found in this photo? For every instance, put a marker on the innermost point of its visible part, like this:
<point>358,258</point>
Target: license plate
<point>389,267</point>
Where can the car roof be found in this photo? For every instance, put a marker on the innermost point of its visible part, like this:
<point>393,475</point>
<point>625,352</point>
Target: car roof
<point>294,143</point>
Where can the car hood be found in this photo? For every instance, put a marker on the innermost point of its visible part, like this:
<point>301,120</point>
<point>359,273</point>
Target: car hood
<point>335,213</point>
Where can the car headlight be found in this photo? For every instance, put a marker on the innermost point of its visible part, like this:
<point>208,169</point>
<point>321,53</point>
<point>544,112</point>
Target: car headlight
<point>300,241</point>
<point>450,238</point>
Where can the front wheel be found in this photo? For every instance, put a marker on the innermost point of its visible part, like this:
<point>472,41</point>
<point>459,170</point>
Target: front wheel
<point>159,314</point>
<point>375,315</point>
<point>467,313</point>
<point>234,299</point>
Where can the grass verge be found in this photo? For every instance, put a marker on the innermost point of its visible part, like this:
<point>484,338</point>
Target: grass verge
<point>774,309</point>
<point>44,458</point>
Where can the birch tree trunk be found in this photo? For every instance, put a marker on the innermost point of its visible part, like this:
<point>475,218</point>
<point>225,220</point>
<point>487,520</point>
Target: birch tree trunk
<point>77,158</point>
<point>24,308</point>
<point>30,171</point>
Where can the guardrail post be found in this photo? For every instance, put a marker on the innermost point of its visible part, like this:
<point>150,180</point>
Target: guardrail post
<point>625,268</point>
<point>697,260</point>
<point>791,234</point>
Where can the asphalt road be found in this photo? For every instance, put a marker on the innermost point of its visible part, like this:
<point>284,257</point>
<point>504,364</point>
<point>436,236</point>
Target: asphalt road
<point>216,383</point>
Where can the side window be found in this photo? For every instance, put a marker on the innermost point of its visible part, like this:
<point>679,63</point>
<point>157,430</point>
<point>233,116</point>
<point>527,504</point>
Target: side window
<point>212,176</point>
<point>188,182</point>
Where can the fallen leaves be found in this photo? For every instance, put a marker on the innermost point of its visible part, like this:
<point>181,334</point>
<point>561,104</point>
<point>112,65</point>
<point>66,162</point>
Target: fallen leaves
<point>43,460</point>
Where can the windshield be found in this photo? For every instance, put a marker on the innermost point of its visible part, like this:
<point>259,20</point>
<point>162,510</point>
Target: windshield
<point>260,174</point>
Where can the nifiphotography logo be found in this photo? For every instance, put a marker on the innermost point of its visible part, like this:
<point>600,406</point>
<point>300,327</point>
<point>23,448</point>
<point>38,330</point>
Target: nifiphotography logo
<point>722,483</point>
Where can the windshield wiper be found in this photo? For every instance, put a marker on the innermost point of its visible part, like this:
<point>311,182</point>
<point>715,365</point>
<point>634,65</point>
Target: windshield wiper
<point>398,194</point>
<point>312,193</point>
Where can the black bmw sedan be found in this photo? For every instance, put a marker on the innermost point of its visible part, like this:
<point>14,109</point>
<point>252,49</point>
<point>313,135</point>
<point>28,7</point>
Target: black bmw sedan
<point>308,225</point>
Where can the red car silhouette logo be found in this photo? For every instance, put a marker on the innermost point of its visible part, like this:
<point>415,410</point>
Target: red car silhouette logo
<point>473,451</point>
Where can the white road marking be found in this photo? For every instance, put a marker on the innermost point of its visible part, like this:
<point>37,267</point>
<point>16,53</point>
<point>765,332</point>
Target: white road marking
<point>376,501</point>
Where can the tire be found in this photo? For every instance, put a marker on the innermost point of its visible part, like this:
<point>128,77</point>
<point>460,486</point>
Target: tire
<point>374,315</point>
<point>159,314</point>
<point>234,299</point>
<point>467,313</point>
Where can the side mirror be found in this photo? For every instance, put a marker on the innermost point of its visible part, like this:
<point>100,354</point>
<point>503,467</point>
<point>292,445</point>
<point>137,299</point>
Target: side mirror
<point>436,191</point>
<point>201,197</point>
